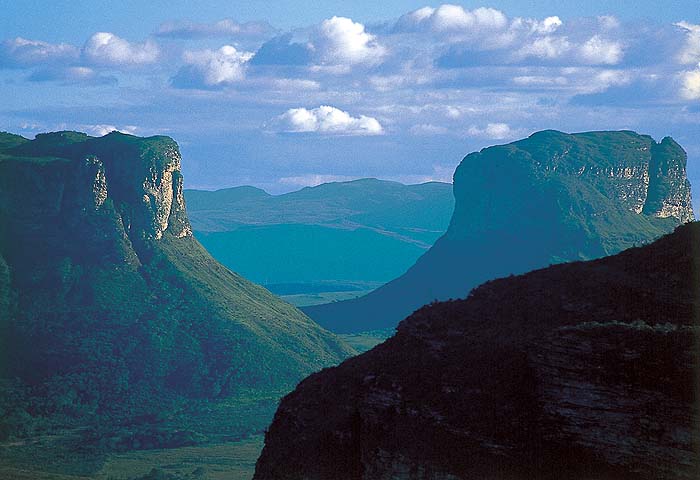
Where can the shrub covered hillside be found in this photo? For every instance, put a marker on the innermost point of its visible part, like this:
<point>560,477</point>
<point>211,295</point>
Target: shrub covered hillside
<point>109,306</point>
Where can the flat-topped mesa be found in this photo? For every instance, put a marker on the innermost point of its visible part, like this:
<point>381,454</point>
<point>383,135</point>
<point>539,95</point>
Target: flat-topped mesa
<point>647,177</point>
<point>632,170</point>
<point>148,192</point>
<point>96,250</point>
<point>141,176</point>
<point>549,198</point>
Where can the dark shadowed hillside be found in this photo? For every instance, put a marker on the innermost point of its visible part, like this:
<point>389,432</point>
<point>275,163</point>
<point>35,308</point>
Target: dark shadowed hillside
<point>111,309</point>
<point>585,370</point>
<point>549,198</point>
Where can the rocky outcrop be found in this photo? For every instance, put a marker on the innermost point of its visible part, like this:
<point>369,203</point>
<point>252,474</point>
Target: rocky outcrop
<point>549,198</point>
<point>584,370</point>
<point>669,190</point>
<point>145,183</point>
<point>108,300</point>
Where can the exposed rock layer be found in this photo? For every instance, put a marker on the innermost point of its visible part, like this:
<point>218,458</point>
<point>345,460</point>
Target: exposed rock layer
<point>585,370</point>
<point>549,198</point>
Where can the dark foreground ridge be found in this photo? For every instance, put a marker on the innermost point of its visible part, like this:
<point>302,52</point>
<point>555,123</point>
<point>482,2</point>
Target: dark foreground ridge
<point>584,370</point>
<point>108,305</point>
<point>549,198</point>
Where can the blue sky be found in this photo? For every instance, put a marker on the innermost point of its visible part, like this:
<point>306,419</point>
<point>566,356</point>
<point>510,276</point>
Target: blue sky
<point>291,93</point>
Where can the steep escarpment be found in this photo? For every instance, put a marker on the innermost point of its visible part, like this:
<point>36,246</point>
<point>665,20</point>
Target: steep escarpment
<point>109,304</point>
<point>549,198</point>
<point>586,370</point>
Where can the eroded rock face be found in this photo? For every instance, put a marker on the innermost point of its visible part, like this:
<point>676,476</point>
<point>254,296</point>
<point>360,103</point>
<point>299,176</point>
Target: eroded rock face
<point>549,198</point>
<point>669,190</point>
<point>140,177</point>
<point>585,370</point>
<point>95,171</point>
<point>147,192</point>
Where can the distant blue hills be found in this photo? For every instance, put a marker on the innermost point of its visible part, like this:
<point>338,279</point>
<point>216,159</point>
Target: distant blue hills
<point>336,236</point>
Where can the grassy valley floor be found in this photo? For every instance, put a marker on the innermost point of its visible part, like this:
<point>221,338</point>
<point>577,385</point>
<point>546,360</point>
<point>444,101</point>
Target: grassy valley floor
<point>222,440</point>
<point>209,440</point>
<point>218,461</point>
<point>231,460</point>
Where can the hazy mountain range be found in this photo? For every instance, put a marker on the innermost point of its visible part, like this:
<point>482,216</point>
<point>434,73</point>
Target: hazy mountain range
<point>336,236</point>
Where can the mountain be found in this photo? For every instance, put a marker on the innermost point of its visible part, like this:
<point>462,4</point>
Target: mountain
<point>364,231</point>
<point>585,370</point>
<point>549,198</point>
<point>110,307</point>
<point>368,202</point>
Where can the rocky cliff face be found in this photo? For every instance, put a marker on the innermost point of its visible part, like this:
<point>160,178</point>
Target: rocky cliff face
<point>107,298</point>
<point>668,193</point>
<point>549,198</point>
<point>145,183</point>
<point>586,370</point>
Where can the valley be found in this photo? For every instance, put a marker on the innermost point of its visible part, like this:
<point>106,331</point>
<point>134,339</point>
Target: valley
<point>303,240</point>
<point>321,244</point>
<point>136,355</point>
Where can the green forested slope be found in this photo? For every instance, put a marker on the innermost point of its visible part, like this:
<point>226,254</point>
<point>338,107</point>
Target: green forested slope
<point>110,307</point>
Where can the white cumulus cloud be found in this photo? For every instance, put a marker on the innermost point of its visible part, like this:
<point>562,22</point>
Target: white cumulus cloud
<point>598,50</point>
<point>594,80</point>
<point>328,120</point>
<point>690,89</point>
<point>547,47</point>
<point>342,41</point>
<point>212,68</point>
<point>494,131</point>
<point>690,52</point>
<point>452,18</point>
<point>546,26</point>
<point>107,49</point>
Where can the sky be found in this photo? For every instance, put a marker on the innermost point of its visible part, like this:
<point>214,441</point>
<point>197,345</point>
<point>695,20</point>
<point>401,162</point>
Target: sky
<point>286,94</point>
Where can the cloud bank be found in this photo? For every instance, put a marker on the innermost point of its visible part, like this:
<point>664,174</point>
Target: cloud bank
<point>414,90</point>
<point>21,52</point>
